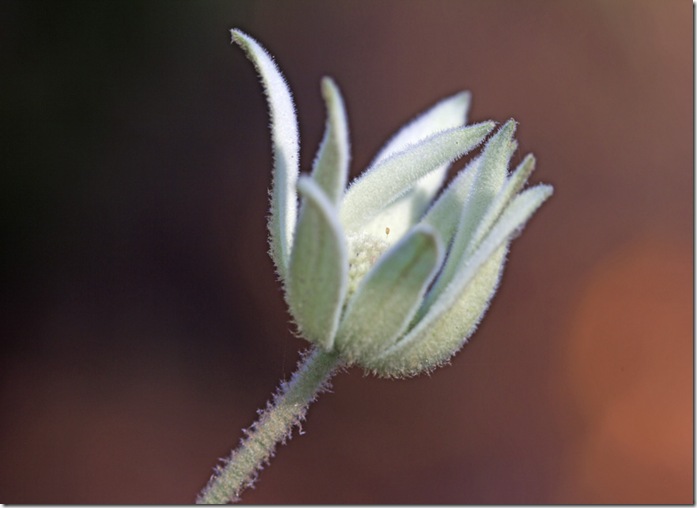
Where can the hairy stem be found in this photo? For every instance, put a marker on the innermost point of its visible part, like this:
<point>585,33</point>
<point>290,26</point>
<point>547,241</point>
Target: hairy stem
<point>273,426</point>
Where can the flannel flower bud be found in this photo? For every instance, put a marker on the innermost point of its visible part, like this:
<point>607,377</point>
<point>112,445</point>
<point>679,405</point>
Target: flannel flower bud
<point>388,273</point>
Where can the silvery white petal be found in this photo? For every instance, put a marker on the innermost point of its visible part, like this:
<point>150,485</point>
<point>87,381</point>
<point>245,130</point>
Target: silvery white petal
<point>383,183</point>
<point>389,295</point>
<point>285,144</point>
<point>454,316</point>
<point>403,213</point>
<point>488,180</point>
<point>331,164</point>
<point>444,214</point>
<point>446,114</point>
<point>514,183</point>
<point>318,272</point>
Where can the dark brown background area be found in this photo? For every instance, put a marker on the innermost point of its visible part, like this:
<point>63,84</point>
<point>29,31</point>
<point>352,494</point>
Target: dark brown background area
<point>142,326</point>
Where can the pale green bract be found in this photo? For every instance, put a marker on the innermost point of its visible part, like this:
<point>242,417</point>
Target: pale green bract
<point>383,273</point>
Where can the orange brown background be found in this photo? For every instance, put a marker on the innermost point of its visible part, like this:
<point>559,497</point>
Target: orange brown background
<point>142,323</point>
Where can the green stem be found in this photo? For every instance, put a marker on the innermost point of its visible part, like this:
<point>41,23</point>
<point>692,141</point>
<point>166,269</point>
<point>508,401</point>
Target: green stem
<point>274,425</point>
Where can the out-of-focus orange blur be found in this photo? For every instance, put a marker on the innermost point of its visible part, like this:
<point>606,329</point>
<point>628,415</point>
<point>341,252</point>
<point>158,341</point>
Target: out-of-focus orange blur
<point>629,362</point>
<point>143,326</point>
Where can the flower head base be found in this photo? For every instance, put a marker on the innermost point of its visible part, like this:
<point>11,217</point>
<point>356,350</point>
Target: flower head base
<point>382,273</point>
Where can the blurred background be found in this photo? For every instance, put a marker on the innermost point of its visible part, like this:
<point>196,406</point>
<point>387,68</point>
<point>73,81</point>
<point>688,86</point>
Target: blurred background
<point>142,325</point>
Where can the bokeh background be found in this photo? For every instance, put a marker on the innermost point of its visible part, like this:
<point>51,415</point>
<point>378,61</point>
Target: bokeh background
<point>142,326</point>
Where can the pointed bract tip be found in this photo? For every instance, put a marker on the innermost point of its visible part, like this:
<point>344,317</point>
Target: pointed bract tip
<point>465,97</point>
<point>244,41</point>
<point>547,189</point>
<point>485,127</point>
<point>237,35</point>
<point>509,127</point>
<point>529,160</point>
<point>328,87</point>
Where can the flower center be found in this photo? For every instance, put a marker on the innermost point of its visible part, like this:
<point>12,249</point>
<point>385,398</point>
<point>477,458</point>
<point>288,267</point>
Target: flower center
<point>363,251</point>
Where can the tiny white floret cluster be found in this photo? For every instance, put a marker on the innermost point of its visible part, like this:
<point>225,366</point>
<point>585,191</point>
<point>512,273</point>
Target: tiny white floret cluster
<point>388,273</point>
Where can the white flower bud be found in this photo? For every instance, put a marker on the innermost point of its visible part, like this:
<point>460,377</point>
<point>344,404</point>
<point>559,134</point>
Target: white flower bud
<point>380,273</point>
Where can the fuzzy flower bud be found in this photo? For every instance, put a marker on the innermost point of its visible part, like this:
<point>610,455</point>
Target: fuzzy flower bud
<point>389,273</point>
